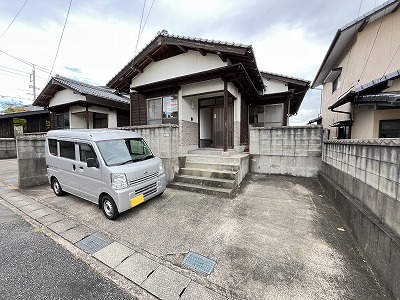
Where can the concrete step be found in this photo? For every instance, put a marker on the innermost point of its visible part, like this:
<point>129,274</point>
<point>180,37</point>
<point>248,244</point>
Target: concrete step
<point>209,173</point>
<point>209,190</point>
<point>215,182</point>
<point>212,151</point>
<point>234,159</point>
<point>212,166</point>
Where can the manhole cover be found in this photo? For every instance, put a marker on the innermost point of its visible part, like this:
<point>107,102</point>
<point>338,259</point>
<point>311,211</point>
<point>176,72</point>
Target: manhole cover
<point>199,263</point>
<point>93,243</point>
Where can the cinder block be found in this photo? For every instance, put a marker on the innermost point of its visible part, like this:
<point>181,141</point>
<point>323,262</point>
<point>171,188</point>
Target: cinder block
<point>388,187</point>
<point>373,166</point>
<point>389,171</point>
<point>372,180</point>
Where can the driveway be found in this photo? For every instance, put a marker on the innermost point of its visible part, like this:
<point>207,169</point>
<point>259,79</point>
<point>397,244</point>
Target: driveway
<point>279,238</point>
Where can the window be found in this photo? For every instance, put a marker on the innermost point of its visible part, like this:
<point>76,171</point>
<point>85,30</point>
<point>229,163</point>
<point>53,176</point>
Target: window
<point>162,110</point>
<point>389,129</point>
<point>336,83</point>
<point>100,120</point>
<point>154,111</point>
<point>170,107</point>
<point>63,120</point>
<point>124,151</point>
<point>86,151</point>
<point>344,132</point>
<point>52,146</point>
<point>273,115</point>
<point>67,149</point>
<point>266,115</point>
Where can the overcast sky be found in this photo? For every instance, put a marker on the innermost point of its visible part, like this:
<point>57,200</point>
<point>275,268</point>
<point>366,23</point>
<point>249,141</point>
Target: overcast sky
<point>289,37</point>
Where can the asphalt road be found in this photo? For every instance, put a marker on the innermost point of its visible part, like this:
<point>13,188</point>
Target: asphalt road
<point>33,266</point>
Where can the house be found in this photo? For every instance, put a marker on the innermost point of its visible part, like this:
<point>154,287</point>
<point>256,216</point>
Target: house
<point>32,121</point>
<point>75,104</point>
<point>360,77</point>
<point>212,90</point>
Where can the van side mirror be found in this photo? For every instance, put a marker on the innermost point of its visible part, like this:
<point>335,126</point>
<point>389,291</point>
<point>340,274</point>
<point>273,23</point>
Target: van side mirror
<point>92,163</point>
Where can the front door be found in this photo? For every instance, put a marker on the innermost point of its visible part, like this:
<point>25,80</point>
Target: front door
<point>218,126</point>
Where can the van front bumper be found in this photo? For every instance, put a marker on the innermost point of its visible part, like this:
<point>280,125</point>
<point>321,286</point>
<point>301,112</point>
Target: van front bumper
<point>134,195</point>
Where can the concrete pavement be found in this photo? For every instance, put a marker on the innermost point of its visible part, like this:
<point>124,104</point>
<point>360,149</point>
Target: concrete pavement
<point>280,238</point>
<point>33,266</point>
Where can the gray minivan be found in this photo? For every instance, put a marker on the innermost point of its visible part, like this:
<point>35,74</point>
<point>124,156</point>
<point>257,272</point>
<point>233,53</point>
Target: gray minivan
<point>112,168</point>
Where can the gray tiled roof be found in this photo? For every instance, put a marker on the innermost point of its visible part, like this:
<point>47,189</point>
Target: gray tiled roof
<point>88,89</point>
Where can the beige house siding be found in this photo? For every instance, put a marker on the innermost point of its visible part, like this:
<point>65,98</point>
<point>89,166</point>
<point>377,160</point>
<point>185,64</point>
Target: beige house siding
<point>369,56</point>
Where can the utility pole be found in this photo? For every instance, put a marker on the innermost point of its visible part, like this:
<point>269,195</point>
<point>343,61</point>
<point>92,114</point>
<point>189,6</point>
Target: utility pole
<point>33,82</point>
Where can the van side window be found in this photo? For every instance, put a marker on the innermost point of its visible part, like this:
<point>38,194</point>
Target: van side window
<point>86,151</point>
<point>67,149</point>
<point>52,146</point>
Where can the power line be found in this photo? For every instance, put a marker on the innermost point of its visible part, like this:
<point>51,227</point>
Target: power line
<point>140,26</point>
<point>15,70</point>
<point>146,19</point>
<point>393,54</point>
<point>27,62</point>
<point>62,33</point>
<point>13,19</point>
<point>13,97</point>
<point>372,48</point>
<point>15,73</point>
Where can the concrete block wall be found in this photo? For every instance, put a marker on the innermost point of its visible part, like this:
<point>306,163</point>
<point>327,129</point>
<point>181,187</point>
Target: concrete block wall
<point>31,160</point>
<point>363,179</point>
<point>8,148</point>
<point>164,142</point>
<point>286,150</point>
<point>370,172</point>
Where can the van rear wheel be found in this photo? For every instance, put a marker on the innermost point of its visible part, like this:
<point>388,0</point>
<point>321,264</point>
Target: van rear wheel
<point>110,210</point>
<point>55,185</point>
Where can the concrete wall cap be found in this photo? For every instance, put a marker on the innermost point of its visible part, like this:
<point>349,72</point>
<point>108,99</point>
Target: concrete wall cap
<point>370,142</point>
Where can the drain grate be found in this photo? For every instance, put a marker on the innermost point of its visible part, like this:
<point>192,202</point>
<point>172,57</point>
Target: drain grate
<point>93,243</point>
<point>199,263</point>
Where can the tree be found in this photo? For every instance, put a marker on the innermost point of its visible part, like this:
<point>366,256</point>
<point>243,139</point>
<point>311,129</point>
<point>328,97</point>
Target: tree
<point>11,106</point>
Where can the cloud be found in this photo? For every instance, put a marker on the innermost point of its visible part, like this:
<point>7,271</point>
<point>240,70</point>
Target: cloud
<point>74,70</point>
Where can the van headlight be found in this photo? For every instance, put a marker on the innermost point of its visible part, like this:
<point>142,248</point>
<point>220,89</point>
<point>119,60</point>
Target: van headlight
<point>160,169</point>
<point>118,181</point>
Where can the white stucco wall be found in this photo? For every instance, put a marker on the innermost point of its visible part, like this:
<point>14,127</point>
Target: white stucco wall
<point>65,96</point>
<point>180,65</point>
<point>189,108</point>
<point>77,116</point>
<point>274,86</point>
<point>203,87</point>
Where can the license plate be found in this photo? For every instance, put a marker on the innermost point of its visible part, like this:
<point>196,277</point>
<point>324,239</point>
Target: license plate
<point>137,200</point>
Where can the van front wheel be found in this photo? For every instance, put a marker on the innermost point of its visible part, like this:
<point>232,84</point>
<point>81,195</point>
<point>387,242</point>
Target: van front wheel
<point>109,208</point>
<point>55,185</point>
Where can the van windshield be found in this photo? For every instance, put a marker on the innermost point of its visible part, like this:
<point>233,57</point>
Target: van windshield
<point>124,151</point>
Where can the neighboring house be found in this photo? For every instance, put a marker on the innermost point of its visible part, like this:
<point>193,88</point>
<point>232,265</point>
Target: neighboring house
<point>360,76</point>
<point>34,121</point>
<point>212,90</point>
<point>75,104</point>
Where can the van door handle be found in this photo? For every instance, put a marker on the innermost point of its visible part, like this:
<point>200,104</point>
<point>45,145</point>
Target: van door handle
<point>73,167</point>
<point>81,168</point>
